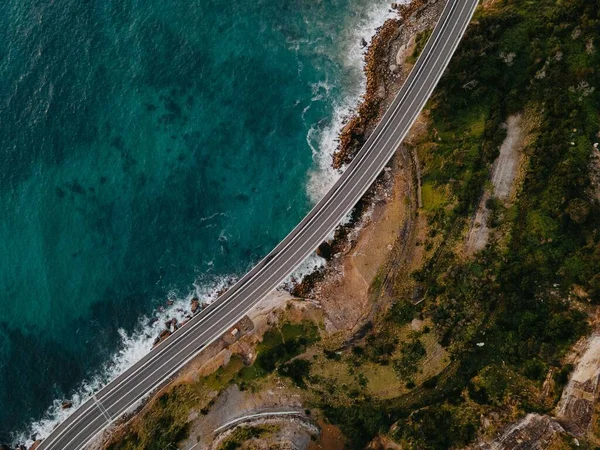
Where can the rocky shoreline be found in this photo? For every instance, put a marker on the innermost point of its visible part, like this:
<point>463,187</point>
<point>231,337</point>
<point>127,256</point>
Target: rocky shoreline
<point>386,69</point>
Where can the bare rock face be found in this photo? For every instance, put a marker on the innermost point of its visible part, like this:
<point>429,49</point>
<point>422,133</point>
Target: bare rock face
<point>325,250</point>
<point>576,406</point>
<point>533,432</point>
<point>195,305</point>
<point>161,337</point>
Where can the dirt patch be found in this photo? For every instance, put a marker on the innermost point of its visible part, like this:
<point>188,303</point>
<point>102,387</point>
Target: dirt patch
<point>344,293</point>
<point>504,170</point>
<point>331,438</point>
<point>503,175</point>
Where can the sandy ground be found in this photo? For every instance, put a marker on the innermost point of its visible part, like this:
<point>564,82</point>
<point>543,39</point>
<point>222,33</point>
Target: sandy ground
<point>502,176</point>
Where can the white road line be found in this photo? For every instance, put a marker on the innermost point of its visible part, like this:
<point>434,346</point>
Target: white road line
<point>102,410</point>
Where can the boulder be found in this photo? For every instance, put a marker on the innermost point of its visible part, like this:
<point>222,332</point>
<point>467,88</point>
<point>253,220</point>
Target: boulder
<point>195,305</point>
<point>164,334</point>
<point>325,250</point>
<point>66,404</point>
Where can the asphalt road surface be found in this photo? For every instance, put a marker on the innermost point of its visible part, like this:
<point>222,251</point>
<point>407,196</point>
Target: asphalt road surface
<point>123,393</point>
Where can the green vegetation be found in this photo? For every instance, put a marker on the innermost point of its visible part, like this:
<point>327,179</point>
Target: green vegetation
<point>420,42</point>
<point>164,424</point>
<point>279,345</point>
<point>243,434</point>
<point>298,370</point>
<point>412,352</point>
<point>505,315</point>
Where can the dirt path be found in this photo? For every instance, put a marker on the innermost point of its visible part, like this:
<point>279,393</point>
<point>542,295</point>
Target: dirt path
<point>502,176</point>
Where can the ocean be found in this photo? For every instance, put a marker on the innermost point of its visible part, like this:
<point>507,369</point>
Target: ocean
<point>151,150</point>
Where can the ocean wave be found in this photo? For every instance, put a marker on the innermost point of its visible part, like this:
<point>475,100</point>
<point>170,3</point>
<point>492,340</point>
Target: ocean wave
<point>323,138</point>
<point>310,265</point>
<point>133,346</point>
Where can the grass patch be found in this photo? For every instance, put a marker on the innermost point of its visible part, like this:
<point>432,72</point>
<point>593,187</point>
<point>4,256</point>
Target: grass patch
<point>433,197</point>
<point>420,42</point>
<point>243,434</point>
<point>278,346</point>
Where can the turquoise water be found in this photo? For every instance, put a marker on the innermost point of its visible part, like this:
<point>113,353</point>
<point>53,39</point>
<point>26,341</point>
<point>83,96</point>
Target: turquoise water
<point>149,149</point>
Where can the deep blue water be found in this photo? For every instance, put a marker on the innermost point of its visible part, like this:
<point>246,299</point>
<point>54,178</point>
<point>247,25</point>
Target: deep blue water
<point>147,147</point>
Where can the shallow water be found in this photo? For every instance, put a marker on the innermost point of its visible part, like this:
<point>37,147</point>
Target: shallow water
<point>151,149</point>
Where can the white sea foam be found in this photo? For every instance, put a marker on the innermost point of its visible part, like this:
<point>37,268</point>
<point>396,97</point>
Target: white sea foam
<point>132,348</point>
<point>311,264</point>
<point>323,139</point>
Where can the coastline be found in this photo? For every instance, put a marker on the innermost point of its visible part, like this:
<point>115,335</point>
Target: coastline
<point>177,310</point>
<point>410,332</point>
<point>338,291</point>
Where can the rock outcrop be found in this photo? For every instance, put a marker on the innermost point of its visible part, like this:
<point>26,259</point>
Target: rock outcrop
<point>533,432</point>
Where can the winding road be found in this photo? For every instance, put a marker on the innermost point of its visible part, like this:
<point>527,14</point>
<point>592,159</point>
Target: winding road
<point>124,392</point>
